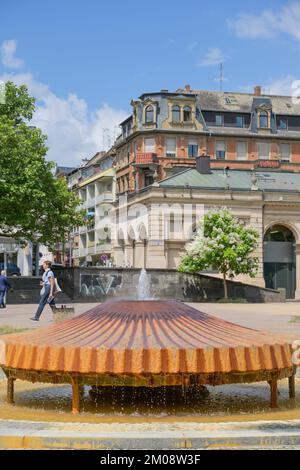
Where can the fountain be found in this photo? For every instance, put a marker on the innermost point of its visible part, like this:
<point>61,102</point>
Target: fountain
<point>143,289</point>
<point>146,343</point>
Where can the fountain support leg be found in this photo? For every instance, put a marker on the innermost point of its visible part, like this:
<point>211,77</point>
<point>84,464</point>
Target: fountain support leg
<point>10,390</point>
<point>274,393</point>
<point>292,387</point>
<point>75,396</point>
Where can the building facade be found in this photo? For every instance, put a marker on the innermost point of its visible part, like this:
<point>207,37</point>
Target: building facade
<point>95,185</point>
<point>166,131</point>
<point>251,144</point>
<point>268,201</point>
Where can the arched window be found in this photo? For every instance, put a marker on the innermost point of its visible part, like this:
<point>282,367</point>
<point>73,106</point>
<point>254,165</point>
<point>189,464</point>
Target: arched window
<point>176,114</point>
<point>263,119</point>
<point>149,114</point>
<point>187,113</point>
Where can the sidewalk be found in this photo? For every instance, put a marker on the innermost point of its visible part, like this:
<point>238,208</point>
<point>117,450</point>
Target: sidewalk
<point>275,317</point>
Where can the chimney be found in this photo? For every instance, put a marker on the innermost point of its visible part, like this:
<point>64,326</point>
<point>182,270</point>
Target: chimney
<point>257,90</point>
<point>203,164</point>
<point>188,88</point>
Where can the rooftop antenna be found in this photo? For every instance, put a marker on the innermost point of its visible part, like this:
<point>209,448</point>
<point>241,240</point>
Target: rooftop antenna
<point>221,77</point>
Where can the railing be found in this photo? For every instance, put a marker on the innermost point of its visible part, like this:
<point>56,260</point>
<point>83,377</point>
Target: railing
<point>103,248</point>
<point>79,252</point>
<point>144,158</point>
<point>88,203</point>
<point>104,197</point>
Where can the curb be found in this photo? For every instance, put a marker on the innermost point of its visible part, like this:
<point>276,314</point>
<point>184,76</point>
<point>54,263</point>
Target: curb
<point>43,435</point>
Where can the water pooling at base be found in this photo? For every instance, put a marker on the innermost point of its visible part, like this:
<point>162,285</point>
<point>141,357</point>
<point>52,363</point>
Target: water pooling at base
<point>130,404</point>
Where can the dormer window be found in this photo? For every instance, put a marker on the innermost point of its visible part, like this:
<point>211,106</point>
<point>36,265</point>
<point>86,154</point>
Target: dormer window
<point>239,121</point>
<point>282,124</point>
<point>219,120</point>
<point>187,113</point>
<point>176,114</point>
<point>149,114</point>
<point>263,119</point>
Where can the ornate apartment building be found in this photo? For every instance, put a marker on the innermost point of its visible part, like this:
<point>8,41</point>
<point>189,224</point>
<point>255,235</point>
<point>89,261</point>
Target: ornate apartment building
<point>249,161</point>
<point>94,183</point>
<point>166,131</point>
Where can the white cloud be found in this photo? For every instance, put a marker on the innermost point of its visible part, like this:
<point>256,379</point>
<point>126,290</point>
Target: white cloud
<point>213,57</point>
<point>268,23</point>
<point>279,86</point>
<point>73,132</point>
<point>7,52</point>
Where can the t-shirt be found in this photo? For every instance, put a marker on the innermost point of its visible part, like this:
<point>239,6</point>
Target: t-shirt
<point>46,277</point>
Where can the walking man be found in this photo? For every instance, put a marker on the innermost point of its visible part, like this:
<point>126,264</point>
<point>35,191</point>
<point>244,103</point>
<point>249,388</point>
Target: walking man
<point>4,286</point>
<point>48,285</point>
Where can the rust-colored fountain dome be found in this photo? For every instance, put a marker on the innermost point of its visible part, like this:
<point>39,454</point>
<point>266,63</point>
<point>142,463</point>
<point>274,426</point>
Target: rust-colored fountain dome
<point>145,337</point>
<point>146,343</point>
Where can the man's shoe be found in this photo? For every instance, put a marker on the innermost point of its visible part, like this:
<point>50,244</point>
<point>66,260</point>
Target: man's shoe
<point>33,319</point>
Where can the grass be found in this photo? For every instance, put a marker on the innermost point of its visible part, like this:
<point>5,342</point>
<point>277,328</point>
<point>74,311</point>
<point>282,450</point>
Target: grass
<point>6,330</point>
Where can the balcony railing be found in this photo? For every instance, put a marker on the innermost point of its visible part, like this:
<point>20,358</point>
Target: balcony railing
<point>145,158</point>
<point>103,248</point>
<point>80,252</point>
<point>104,197</point>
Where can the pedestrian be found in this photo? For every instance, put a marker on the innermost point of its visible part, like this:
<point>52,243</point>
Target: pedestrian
<point>47,291</point>
<point>4,286</point>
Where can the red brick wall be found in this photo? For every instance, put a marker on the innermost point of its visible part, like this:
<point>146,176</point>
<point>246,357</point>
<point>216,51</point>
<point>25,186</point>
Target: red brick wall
<point>295,150</point>
<point>231,150</point>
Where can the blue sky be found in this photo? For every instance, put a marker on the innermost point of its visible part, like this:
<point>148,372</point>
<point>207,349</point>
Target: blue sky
<point>86,60</point>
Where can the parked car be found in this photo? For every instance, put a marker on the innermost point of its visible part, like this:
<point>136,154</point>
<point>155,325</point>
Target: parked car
<point>53,267</point>
<point>11,270</point>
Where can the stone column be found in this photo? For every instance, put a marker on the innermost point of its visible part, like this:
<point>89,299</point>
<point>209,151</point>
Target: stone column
<point>139,254</point>
<point>128,256</point>
<point>118,255</point>
<point>297,293</point>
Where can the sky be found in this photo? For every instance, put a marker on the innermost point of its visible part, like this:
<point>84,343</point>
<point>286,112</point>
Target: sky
<point>85,60</point>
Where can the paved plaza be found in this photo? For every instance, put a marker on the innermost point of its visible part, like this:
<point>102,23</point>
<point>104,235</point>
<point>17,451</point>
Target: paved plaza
<point>275,317</point>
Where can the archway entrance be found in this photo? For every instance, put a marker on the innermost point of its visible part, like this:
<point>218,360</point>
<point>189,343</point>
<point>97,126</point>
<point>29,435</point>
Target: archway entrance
<point>280,259</point>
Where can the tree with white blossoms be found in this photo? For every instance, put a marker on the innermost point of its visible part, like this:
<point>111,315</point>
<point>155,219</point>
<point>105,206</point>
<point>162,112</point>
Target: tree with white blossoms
<point>222,243</point>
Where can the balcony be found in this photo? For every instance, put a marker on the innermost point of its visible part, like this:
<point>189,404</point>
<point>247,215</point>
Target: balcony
<point>146,158</point>
<point>103,248</point>
<point>79,252</point>
<point>87,203</point>
<point>104,197</point>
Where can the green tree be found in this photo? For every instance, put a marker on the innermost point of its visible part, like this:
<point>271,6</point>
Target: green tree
<point>34,205</point>
<point>224,244</point>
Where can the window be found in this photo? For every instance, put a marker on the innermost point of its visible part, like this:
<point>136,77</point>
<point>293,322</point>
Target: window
<point>149,114</point>
<point>219,120</point>
<point>150,145</point>
<point>282,124</point>
<point>263,119</point>
<point>171,147</point>
<point>239,121</point>
<point>176,114</point>
<point>263,150</point>
<point>220,149</point>
<point>241,151</point>
<point>187,113</point>
<point>148,179</point>
<point>193,148</point>
<point>285,152</point>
